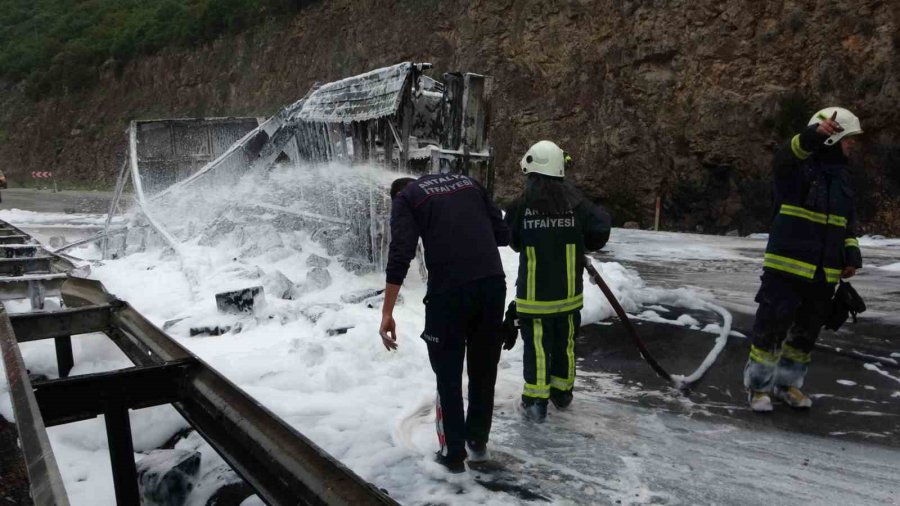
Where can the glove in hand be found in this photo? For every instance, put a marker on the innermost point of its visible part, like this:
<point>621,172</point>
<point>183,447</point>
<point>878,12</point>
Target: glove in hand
<point>510,328</point>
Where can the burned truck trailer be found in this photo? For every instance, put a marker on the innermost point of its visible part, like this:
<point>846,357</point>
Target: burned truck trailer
<point>171,150</point>
<point>395,118</point>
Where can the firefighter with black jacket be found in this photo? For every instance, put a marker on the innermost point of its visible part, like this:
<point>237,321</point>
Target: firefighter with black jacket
<point>552,227</point>
<point>461,229</point>
<point>812,245</point>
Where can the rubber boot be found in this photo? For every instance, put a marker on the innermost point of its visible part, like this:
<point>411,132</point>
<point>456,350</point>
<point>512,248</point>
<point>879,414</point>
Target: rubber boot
<point>793,397</point>
<point>561,399</point>
<point>535,411</point>
<point>760,402</point>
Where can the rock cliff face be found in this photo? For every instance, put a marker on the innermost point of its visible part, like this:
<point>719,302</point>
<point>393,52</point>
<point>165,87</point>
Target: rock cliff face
<point>679,99</point>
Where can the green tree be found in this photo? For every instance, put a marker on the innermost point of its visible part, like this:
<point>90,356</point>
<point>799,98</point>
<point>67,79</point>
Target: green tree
<point>59,45</point>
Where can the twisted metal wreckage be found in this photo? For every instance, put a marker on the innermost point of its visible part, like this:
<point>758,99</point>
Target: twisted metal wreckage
<point>396,117</point>
<point>279,463</point>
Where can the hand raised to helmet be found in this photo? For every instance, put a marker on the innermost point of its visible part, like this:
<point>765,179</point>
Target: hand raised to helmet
<point>830,126</point>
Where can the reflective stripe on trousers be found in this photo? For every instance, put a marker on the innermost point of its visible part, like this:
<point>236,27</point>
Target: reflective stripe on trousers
<point>549,354</point>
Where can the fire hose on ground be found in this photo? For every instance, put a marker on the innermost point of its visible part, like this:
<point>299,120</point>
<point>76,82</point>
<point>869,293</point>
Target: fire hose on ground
<point>680,382</point>
<point>632,331</point>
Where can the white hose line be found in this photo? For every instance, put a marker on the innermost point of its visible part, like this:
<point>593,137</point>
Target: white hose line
<point>721,341</point>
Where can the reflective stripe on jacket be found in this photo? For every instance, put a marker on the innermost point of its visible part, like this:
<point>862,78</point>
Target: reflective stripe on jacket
<point>813,231</point>
<point>551,256</point>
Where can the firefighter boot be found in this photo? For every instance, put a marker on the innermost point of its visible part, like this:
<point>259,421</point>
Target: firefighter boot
<point>535,411</point>
<point>760,402</point>
<point>560,398</point>
<point>793,397</point>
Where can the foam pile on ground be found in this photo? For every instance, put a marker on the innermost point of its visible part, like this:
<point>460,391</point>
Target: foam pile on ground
<point>37,218</point>
<point>879,241</point>
<point>369,408</point>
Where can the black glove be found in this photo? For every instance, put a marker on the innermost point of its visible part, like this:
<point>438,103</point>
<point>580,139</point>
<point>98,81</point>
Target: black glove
<point>846,303</point>
<point>510,328</point>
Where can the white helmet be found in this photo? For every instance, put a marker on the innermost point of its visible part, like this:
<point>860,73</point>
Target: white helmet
<point>544,158</point>
<point>848,121</point>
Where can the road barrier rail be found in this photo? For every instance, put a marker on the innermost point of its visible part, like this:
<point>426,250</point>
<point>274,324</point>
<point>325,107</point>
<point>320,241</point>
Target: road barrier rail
<point>279,463</point>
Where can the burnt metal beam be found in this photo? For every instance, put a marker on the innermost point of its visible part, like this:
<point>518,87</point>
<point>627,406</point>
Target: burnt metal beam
<point>19,250</point>
<point>61,323</point>
<point>121,454</point>
<point>20,266</point>
<point>406,119</point>
<point>65,360</point>
<point>142,341</point>
<point>94,238</point>
<point>282,465</point>
<point>298,213</point>
<point>13,239</point>
<point>473,111</point>
<point>133,347</point>
<point>44,478</point>
<point>454,87</point>
<point>35,287</point>
<point>83,397</point>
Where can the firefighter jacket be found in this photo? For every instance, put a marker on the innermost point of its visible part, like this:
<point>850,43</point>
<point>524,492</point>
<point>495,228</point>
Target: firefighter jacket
<point>813,235</point>
<point>460,227</point>
<point>551,255</point>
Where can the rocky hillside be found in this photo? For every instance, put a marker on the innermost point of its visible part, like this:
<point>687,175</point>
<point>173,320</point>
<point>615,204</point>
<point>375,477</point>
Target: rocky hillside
<point>683,100</point>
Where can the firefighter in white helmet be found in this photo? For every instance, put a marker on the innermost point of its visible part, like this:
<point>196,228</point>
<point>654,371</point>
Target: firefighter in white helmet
<point>812,246</point>
<point>552,226</point>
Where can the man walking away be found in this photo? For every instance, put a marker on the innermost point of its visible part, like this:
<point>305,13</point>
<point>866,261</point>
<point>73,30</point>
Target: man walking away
<point>812,244</point>
<point>461,229</point>
<point>552,226</point>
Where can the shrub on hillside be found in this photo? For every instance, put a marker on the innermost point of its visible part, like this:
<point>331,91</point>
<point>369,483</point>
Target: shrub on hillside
<point>55,46</point>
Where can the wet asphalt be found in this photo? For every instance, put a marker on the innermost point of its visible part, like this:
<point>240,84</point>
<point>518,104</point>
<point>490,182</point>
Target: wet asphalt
<point>48,201</point>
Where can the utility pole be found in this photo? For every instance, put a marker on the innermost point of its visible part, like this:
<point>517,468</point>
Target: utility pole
<point>656,218</point>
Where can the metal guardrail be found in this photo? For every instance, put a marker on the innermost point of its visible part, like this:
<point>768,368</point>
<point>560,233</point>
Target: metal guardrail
<point>283,466</point>
<point>26,270</point>
<point>20,266</point>
<point>43,474</point>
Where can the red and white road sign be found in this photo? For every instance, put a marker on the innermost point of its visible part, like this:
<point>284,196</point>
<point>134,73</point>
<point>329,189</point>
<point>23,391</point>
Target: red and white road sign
<point>41,174</point>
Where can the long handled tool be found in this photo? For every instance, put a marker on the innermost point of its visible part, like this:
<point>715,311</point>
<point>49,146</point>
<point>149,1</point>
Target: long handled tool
<point>628,325</point>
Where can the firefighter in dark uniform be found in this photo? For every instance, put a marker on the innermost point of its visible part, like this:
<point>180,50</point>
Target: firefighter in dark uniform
<point>461,229</point>
<point>812,245</point>
<point>552,227</point>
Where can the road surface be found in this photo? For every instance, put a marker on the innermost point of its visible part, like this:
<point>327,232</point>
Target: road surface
<point>631,439</point>
<point>47,201</point>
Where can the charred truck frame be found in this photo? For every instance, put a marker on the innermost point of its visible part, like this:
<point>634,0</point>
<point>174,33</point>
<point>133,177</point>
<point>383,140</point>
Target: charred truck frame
<point>396,117</point>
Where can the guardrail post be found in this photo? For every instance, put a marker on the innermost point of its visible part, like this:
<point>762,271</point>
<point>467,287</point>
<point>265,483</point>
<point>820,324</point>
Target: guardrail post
<point>64,359</point>
<point>36,294</point>
<point>121,454</point>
